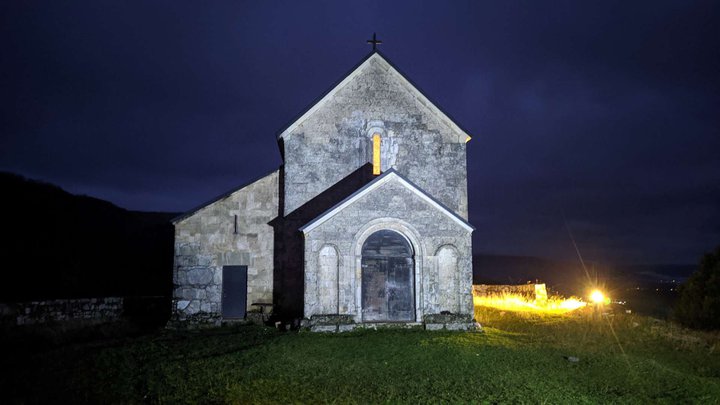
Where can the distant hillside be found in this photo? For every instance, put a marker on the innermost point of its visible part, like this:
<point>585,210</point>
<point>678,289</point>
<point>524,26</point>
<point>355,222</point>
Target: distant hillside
<point>662,273</point>
<point>56,245</point>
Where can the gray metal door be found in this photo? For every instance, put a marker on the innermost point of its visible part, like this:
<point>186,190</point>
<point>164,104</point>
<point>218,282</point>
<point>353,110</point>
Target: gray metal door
<point>234,291</point>
<point>388,292</point>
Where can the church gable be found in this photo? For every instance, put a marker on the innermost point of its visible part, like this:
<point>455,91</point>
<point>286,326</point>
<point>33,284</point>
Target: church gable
<point>387,78</point>
<point>334,138</point>
<point>407,186</point>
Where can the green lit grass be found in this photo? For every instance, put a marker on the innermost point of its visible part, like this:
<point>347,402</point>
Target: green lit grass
<point>519,358</point>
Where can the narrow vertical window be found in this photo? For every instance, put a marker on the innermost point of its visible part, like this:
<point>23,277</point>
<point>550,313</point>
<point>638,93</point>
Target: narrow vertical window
<point>376,153</point>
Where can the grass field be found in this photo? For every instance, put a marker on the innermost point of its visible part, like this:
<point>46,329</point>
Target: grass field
<point>518,358</point>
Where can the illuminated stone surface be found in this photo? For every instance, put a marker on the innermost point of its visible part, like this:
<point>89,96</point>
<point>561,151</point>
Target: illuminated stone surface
<point>206,241</point>
<point>428,231</point>
<point>333,140</point>
<point>300,230</point>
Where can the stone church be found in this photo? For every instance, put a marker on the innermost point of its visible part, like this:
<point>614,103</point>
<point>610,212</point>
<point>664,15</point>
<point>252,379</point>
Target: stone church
<point>364,223</point>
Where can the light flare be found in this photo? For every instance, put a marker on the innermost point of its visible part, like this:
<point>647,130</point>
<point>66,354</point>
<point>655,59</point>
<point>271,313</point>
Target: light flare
<point>597,297</point>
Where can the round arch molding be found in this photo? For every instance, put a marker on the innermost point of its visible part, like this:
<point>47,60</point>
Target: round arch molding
<point>328,279</point>
<point>411,235</point>
<point>448,278</point>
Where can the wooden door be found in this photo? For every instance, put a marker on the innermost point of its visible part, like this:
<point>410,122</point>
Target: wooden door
<point>388,293</point>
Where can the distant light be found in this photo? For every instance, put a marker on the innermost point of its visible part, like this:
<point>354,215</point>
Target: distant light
<point>597,297</point>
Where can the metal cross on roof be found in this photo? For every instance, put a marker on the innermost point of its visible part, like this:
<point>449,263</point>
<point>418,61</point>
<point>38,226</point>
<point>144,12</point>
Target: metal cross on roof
<point>374,41</point>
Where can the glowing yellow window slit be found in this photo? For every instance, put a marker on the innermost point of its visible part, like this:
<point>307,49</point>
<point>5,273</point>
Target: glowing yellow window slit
<point>376,154</point>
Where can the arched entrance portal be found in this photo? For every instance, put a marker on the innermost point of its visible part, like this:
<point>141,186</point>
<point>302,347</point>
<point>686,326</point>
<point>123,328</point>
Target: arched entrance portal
<point>387,278</point>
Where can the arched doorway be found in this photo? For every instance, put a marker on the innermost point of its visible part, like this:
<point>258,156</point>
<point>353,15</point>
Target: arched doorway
<point>387,278</point>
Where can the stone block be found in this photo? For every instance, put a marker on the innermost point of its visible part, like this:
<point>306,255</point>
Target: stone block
<point>331,319</point>
<point>199,294</point>
<point>346,328</point>
<point>213,293</point>
<point>193,307</point>
<point>458,326</point>
<point>199,276</point>
<point>184,293</point>
<point>205,260</point>
<point>447,318</point>
<point>188,249</point>
<point>186,260</point>
<point>182,305</point>
<point>236,257</point>
<point>324,328</point>
<point>434,326</point>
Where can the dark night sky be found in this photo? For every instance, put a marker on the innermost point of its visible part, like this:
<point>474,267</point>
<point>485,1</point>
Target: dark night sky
<point>606,112</point>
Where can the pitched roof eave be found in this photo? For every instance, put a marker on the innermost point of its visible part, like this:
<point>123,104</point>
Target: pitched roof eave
<point>323,97</point>
<point>192,211</point>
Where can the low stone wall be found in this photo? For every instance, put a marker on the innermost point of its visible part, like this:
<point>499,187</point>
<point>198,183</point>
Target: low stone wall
<point>535,292</point>
<point>92,310</point>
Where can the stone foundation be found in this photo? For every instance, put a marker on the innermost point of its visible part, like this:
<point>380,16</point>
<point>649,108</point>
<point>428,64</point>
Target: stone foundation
<point>345,323</point>
<point>450,322</point>
<point>329,323</point>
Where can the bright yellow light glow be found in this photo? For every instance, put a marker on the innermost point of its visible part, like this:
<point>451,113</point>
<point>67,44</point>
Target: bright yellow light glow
<point>597,297</point>
<point>468,139</point>
<point>376,154</point>
<point>517,302</point>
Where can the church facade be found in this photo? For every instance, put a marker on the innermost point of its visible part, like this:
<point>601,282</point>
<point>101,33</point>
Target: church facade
<point>365,222</point>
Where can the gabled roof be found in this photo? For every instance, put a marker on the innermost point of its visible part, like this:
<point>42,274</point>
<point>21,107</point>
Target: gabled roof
<point>373,56</point>
<point>218,198</point>
<point>373,185</point>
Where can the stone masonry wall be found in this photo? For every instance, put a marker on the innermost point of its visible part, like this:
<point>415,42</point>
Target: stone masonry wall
<point>336,139</point>
<point>206,241</point>
<point>91,310</point>
<point>390,206</point>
